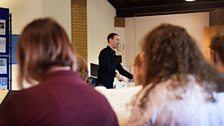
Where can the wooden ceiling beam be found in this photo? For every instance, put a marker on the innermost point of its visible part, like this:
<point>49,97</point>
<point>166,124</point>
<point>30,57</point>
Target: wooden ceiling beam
<point>169,9</point>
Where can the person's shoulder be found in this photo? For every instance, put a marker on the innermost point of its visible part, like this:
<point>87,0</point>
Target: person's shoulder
<point>161,92</point>
<point>154,89</point>
<point>94,93</point>
<point>105,49</point>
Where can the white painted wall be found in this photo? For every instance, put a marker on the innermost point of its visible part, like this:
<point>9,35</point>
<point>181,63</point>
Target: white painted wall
<point>100,18</point>
<point>24,11</point>
<point>121,32</point>
<point>59,10</point>
<point>100,22</point>
<point>137,27</point>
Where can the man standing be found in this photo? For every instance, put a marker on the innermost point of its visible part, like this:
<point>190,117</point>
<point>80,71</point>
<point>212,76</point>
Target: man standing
<point>108,63</point>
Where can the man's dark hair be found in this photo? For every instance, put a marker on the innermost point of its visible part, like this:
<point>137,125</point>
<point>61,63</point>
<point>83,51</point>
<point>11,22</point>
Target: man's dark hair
<point>111,36</point>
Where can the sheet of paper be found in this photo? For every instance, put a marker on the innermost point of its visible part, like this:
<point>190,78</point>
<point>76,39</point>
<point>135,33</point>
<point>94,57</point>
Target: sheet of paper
<point>2,27</point>
<point>3,82</point>
<point>2,45</point>
<point>3,66</point>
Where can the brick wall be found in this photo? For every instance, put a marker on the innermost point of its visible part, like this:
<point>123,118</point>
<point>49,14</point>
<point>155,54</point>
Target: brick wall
<point>79,26</point>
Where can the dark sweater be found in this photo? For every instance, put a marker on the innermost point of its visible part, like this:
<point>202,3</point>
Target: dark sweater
<point>107,65</point>
<point>61,99</point>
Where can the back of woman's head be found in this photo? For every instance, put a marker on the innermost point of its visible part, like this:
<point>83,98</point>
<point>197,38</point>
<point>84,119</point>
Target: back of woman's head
<point>217,48</point>
<point>138,68</point>
<point>169,50</point>
<point>43,44</point>
<point>82,67</point>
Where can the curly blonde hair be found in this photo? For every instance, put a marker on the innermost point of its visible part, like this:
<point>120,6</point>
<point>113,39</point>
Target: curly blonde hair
<point>170,52</point>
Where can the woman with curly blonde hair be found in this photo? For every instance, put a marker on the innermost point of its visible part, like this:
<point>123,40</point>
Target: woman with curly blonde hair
<point>179,87</point>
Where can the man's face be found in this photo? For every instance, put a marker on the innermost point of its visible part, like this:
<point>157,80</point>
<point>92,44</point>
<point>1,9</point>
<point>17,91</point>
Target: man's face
<point>115,41</point>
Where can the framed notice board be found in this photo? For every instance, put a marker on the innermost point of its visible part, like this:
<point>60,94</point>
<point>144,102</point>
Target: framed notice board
<point>5,52</point>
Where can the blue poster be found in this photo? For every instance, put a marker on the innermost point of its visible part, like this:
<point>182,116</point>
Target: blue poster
<point>15,39</point>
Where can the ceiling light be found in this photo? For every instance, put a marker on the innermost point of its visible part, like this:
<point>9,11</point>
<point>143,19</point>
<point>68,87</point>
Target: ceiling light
<point>189,0</point>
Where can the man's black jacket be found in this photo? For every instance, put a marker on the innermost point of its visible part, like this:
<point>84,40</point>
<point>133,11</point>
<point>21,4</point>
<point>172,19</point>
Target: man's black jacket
<point>108,63</point>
